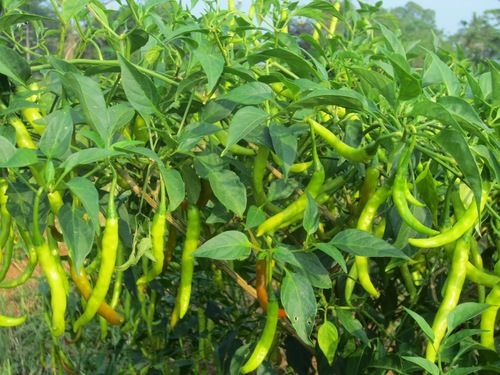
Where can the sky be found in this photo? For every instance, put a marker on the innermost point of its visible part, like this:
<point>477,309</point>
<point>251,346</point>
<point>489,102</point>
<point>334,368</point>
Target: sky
<point>449,13</point>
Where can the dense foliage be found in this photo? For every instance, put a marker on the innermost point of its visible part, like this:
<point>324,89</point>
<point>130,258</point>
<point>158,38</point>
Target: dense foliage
<point>229,196</point>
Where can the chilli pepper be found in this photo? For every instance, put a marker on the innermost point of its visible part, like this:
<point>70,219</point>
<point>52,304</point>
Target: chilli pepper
<point>265,342</point>
<point>109,249</point>
<point>8,321</point>
<point>30,267</point>
<point>187,264</point>
<point>454,284</point>
<point>261,286</point>
<point>82,283</point>
<point>489,317</point>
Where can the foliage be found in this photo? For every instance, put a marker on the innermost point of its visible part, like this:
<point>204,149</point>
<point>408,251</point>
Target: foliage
<point>321,164</point>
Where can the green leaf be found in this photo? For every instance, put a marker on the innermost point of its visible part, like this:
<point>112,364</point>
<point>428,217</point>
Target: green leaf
<point>71,8</point>
<point>8,20</point>
<point>426,328</point>
<point>78,233</point>
<point>229,190</point>
<point>244,122</point>
<point>379,82</point>
<point>13,65</point>
<point>328,340</point>
<point>87,193</point>
<point>297,296</point>
<point>410,85</point>
<point>392,42</point>
<point>284,144</point>
<point>139,89</point>
<point>7,150</point>
<point>255,216</point>
<point>22,157</point>
<point>358,242</point>
<point>194,133</point>
<point>464,312</point>
<point>458,337</point>
<point>297,63</point>
<point>284,255</point>
<point>87,156</point>
<point>56,139</point>
<point>334,253</point>
<point>252,93</point>
<point>343,97</point>
<point>312,268</point>
<point>427,365</point>
<point>437,71</point>
<point>311,215</point>
<point>465,370</point>
<point>217,110</point>
<point>352,325</point>
<point>211,61</point>
<point>230,245</point>
<point>463,113</point>
<point>121,115</point>
<point>92,102</point>
<point>454,143</point>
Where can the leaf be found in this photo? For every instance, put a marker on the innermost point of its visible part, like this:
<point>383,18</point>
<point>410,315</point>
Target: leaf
<point>230,245</point>
<point>452,142</point>
<point>255,216</point>
<point>22,157</point>
<point>87,193</point>
<point>194,133</point>
<point>139,89</point>
<point>87,156</point>
<point>252,93</point>
<point>284,255</point>
<point>311,267</point>
<point>465,370</point>
<point>392,41</point>
<point>56,139</point>
<point>343,97</point>
<point>244,122</point>
<point>463,113</point>
<point>71,8</point>
<point>299,302</point>
<point>284,144</point>
<point>211,61</point>
<point>328,340</point>
<point>78,233</point>
<point>352,325</point>
<point>229,190</point>
<point>7,150</point>
<point>334,253</point>
<point>121,115</point>
<point>311,215</point>
<point>297,63</point>
<point>410,86</point>
<point>358,242</point>
<point>13,65</point>
<point>217,110</point>
<point>379,82</point>
<point>437,71</point>
<point>427,365</point>
<point>92,102</point>
<point>8,20</point>
<point>464,312</point>
<point>426,328</point>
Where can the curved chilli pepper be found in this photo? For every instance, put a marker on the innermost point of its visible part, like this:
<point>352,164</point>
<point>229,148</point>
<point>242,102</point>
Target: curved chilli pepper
<point>51,269</point>
<point>467,221</point>
<point>187,264</point>
<point>350,283</point>
<point>30,267</point>
<point>266,340</point>
<point>489,317</point>
<point>117,285</point>
<point>334,21</point>
<point>171,242</point>
<point>32,114</point>
<point>158,228</point>
<point>365,222</point>
<point>82,283</point>
<point>222,136</point>
<point>481,277</point>
<point>109,249</point>
<point>7,321</point>
<point>261,286</point>
<point>23,137</point>
<point>259,170</point>
<point>399,189</point>
<point>454,284</point>
<point>369,186</point>
<point>358,154</point>
<point>296,209</point>
<point>7,258</point>
<point>5,224</point>
<point>411,198</point>
<point>140,129</point>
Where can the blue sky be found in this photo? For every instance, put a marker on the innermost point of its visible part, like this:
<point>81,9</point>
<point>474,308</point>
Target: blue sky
<point>449,13</point>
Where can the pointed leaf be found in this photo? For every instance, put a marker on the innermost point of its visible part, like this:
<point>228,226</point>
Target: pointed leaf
<point>230,245</point>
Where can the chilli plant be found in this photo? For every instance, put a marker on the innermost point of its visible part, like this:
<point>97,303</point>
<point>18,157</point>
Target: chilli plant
<point>218,193</point>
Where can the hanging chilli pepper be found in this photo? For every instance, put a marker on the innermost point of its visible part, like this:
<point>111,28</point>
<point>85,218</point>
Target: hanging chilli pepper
<point>454,284</point>
<point>158,228</point>
<point>7,321</point>
<point>265,342</point>
<point>489,317</point>
<point>171,242</point>
<point>52,271</point>
<point>82,283</point>
<point>32,114</point>
<point>296,209</point>
<point>369,186</point>
<point>399,194</point>
<point>187,264</point>
<point>365,222</point>
<point>7,256</point>
<point>261,286</point>
<point>347,152</point>
<point>109,250</point>
<point>467,221</point>
<point>258,173</point>
<point>481,277</point>
<point>30,267</point>
<point>5,217</point>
